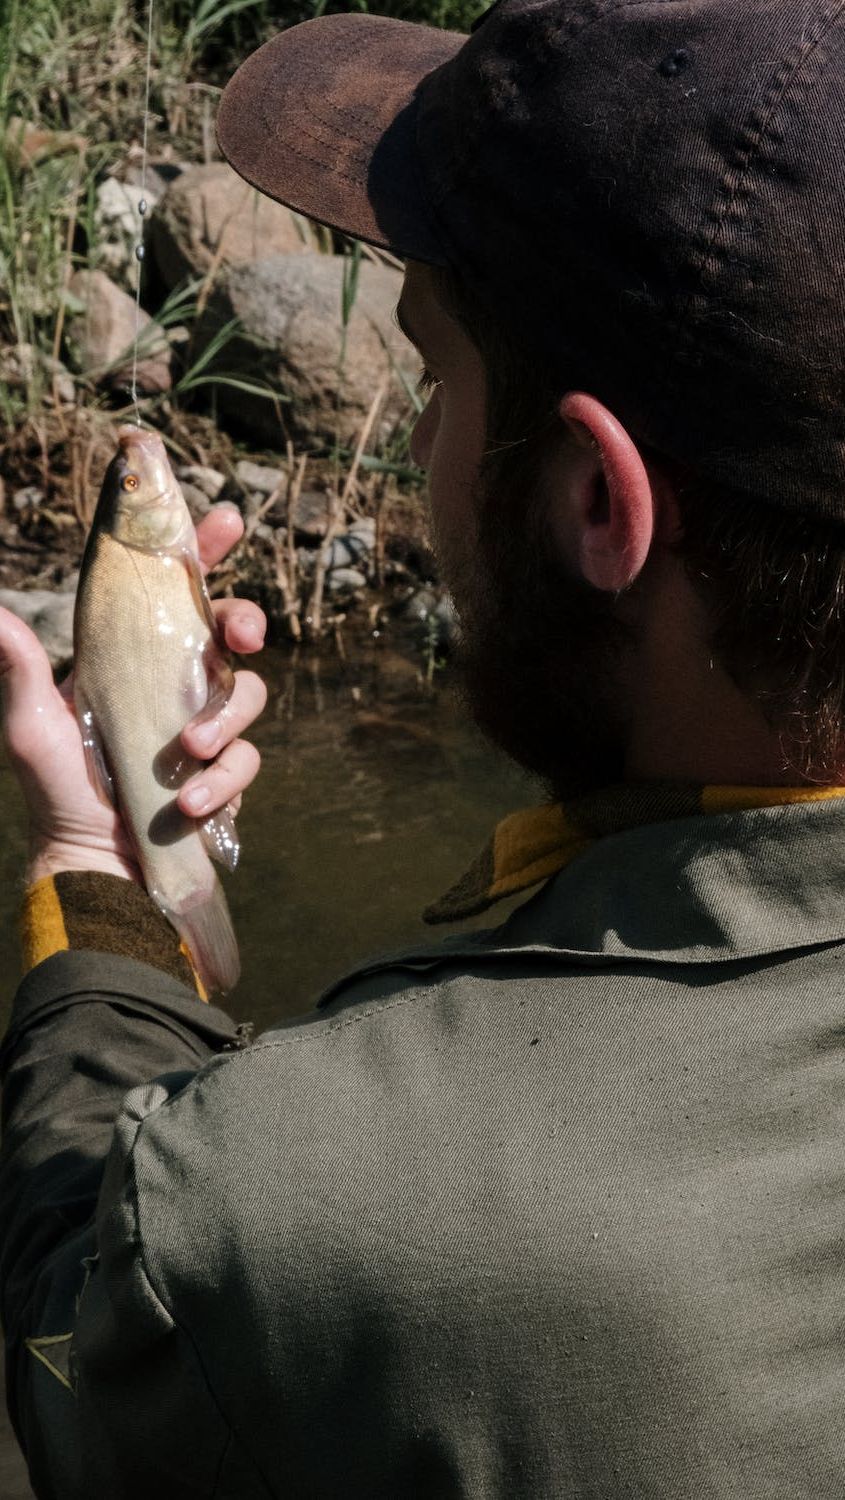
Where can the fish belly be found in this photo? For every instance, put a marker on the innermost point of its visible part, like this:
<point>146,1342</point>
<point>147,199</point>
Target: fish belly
<point>143,646</point>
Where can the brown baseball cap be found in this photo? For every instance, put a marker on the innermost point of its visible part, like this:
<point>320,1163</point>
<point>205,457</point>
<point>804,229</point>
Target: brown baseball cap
<point>650,194</point>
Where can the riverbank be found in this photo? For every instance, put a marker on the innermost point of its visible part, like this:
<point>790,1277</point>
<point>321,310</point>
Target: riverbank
<point>265,352</point>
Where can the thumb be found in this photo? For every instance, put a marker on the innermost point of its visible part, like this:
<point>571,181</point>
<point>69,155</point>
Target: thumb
<point>29,696</point>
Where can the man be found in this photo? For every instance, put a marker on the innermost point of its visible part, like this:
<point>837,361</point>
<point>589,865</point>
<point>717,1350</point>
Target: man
<point>555,1209</point>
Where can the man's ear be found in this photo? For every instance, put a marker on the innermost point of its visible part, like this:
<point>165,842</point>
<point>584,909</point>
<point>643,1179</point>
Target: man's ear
<point>611,511</point>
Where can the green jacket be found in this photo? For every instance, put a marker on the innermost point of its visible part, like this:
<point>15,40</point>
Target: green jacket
<point>555,1210</point>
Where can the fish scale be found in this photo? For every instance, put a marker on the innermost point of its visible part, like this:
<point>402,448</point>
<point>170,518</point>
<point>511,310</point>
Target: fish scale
<point>147,661</point>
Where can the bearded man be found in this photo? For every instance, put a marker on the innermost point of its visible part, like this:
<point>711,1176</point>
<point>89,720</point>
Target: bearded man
<point>552,1209</point>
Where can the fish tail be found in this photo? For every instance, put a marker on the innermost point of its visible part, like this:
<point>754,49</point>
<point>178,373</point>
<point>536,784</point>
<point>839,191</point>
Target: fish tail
<point>207,931</point>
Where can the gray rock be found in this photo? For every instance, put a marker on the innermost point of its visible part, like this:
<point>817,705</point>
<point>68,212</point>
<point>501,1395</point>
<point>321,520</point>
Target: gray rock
<point>61,380</point>
<point>447,619</point>
<point>290,338</point>
<point>260,477</point>
<point>345,581</point>
<point>196,499</point>
<point>365,529</point>
<point>210,216</point>
<point>311,515</point>
<point>434,611</point>
<point>103,334</point>
<point>421,604</point>
<point>20,364</point>
<point>28,498</point>
<point>119,227</point>
<point>348,550</point>
<point>210,481</point>
<point>49,615</point>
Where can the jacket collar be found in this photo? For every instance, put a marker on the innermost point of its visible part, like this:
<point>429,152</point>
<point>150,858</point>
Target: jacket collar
<point>745,884</point>
<point>696,890</point>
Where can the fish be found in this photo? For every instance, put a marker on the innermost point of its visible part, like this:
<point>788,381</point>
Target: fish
<point>147,658</point>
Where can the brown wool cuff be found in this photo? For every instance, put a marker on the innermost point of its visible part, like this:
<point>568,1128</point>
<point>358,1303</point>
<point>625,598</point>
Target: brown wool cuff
<point>102,914</point>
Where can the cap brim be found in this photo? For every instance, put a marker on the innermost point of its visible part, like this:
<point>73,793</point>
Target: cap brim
<point>323,119</point>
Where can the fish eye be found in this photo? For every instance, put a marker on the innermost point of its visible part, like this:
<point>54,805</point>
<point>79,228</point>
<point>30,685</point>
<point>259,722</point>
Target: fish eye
<point>129,482</point>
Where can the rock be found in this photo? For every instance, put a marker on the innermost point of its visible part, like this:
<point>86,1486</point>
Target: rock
<point>61,380</point>
<point>447,620</point>
<point>210,481</point>
<point>26,144</point>
<point>49,615</point>
<point>196,499</point>
<point>260,478</point>
<point>345,581</point>
<point>103,334</point>
<point>290,337</point>
<point>158,174</point>
<point>119,227</point>
<point>18,364</point>
<point>28,498</point>
<point>421,604</point>
<point>364,530</point>
<point>21,364</point>
<point>210,216</point>
<point>346,551</point>
<point>311,515</point>
<point>435,612</point>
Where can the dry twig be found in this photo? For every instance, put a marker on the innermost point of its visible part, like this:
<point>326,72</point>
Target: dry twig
<point>337,516</point>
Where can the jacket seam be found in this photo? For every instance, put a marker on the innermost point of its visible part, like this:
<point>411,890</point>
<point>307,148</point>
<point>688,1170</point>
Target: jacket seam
<point>184,1330</point>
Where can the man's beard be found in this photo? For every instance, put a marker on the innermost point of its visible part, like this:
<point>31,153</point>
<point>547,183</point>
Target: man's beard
<point>537,651</point>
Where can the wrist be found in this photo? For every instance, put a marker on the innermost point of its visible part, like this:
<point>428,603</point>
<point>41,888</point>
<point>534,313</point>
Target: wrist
<point>57,858</point>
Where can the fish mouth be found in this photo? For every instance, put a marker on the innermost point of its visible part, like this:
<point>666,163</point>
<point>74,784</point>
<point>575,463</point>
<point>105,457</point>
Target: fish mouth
<point>153,502</point>
<point>141,439</point>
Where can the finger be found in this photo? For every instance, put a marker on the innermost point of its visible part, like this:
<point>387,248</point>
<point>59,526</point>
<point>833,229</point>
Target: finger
<point>220,782</point>
<point>242,624</point>
<point>206,737</point>
<point>30,698</point>
<point>218,532</point>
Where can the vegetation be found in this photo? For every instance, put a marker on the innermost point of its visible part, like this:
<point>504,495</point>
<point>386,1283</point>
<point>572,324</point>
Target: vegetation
<point>72,89</point>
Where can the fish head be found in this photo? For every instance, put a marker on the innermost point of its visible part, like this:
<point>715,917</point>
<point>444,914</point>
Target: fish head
<point>141,503</point>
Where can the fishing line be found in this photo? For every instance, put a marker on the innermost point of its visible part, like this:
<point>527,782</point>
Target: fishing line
<point>142,209</point>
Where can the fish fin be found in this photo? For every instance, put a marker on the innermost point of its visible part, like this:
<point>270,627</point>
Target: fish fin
<point>200,588</point>
<point>95,754</point>
<point>220,839</point>
<point>206,928</point>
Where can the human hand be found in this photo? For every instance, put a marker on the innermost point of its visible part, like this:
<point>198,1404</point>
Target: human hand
<point>71,828</point>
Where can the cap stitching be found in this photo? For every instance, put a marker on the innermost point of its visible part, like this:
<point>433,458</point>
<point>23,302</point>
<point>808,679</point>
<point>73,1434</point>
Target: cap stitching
<point>706,261</point>
<point>340,123</point>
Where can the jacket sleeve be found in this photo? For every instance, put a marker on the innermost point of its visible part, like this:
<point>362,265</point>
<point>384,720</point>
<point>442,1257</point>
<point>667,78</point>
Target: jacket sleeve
<point>86,1028</point>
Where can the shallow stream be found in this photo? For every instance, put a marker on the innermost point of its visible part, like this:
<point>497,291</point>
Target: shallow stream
<point>375,794</point>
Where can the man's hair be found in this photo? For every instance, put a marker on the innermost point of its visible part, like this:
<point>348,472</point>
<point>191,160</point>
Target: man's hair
<point>773,582</point>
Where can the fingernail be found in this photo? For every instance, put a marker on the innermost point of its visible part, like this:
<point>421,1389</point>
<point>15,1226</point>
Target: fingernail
<point>205,733</point>
<point>197,798</point>
<point>250,627</point>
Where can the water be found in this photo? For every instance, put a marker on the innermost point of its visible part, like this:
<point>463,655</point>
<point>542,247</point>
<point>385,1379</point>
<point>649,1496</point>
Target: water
<point>374,796</point>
